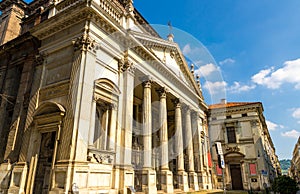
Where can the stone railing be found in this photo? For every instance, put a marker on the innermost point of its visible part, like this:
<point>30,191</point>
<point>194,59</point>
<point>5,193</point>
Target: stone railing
<point>112,9</point>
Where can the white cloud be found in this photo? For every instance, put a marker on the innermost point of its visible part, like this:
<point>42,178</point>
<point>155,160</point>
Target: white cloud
<point>215,87</point>
<point>187,49</point>
<point>207,69</point>
<point>238,87</point>
<point>291,134</point>
<point>296,113</point>
<point>227,61</point>
<point>273,79</point>
<point>273,126</point>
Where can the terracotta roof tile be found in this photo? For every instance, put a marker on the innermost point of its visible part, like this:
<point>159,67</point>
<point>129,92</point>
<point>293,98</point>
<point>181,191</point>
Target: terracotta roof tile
<point>230,104</point>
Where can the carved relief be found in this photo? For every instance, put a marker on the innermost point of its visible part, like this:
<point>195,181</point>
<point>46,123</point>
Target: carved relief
<point>162,92</point>
<point>232,149</point>
<point>84,43</point>
<point>103,158</point>
<point>40,58</point>
<point>124,63</point>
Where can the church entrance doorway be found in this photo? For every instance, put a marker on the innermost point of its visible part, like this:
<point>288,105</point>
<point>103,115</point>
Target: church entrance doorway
<point>236,177</point>
<point>43,169</point>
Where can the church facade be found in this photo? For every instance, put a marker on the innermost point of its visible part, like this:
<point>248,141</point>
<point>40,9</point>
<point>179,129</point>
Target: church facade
<point>93,100</point>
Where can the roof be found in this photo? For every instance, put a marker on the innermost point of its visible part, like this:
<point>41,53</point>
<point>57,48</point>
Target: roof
<point>230,104</point>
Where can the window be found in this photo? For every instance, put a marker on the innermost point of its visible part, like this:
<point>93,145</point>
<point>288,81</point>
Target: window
<point>231,134</point>
<point>102,126</point>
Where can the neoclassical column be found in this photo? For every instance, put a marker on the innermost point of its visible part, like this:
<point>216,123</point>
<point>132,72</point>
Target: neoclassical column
<point>182,175</point>
<point>149,175</point>
<point>190,152</point>
<point>163,133</point>
<point>166,174</point>
<point>189,139</point>
<point>178,136</point>
<point>147,124</point>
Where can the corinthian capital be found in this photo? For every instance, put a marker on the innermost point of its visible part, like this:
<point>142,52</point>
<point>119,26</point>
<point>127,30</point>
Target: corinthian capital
<point>84,43</point>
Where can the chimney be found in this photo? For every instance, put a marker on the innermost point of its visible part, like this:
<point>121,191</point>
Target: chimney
<point>223,101</point>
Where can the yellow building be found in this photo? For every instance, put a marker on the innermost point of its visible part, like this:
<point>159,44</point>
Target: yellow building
<point>250,159</point>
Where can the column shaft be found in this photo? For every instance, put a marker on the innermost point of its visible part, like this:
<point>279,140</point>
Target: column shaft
<point>189,139</point>
<point>178,135</point>
<point>163,129</point>
<point>147,125</point>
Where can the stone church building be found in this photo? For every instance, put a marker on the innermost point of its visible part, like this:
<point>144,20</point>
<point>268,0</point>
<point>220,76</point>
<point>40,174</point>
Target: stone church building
<point>93,100</point>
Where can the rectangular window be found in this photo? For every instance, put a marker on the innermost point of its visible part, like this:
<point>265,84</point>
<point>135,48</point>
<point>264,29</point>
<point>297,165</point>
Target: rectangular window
<point>102,126</point>
<point>252,169</point>
<point>231,134</point>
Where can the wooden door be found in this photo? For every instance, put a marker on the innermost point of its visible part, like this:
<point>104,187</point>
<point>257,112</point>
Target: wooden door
<point>43,170</point>
<point>236,177</point>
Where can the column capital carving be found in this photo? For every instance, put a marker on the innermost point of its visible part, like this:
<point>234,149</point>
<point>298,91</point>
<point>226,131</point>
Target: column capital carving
<point>177,102</point>
<point>147,81</point>
<point>186,108</point>
<point>125,64</point>
<point>162,92</point>
<point>40,58</point>
<point>84,43</point>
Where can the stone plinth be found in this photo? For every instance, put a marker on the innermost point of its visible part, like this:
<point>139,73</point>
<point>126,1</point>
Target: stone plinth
<point>183,181</point>
<point>193,179</point>
<point>167,181</point>
<point>149,181</point>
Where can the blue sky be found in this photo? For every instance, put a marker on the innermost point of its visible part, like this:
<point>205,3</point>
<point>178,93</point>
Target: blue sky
<point>255,47</point>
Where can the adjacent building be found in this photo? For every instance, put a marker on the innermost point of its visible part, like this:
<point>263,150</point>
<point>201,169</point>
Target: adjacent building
<point>294,170</point>
<point>94,100</point>
<point>249,153</point>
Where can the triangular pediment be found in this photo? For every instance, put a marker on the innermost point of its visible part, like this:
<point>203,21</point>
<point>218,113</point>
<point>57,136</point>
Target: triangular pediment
<point>169,54</point>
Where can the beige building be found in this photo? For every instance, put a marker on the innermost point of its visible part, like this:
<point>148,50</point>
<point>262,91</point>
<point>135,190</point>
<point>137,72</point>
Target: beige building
<point>101,103</point>
<point>250,159</point>
<point>294,170</point>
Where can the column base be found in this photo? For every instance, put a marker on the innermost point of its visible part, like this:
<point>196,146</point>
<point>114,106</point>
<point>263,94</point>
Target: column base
<point>18,178</point>
<point>123,180</point>
<point>167,181</point>
<point>183,181</point>
<point>193,180</point>
<point>200,180</point>
<point>5,176</point>
<point>149,181</point>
